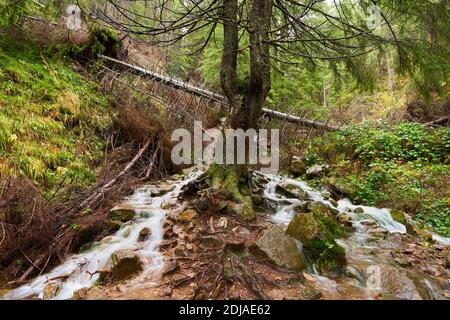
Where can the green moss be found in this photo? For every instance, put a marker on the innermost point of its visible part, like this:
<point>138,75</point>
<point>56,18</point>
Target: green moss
<point>52,120</point>
<point>404,166</point>
<point>228,177</point>
<point>328,256</point>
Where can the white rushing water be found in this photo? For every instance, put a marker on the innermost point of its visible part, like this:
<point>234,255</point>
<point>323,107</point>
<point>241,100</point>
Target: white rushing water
<point>79,271</point>
<point>286,207</point>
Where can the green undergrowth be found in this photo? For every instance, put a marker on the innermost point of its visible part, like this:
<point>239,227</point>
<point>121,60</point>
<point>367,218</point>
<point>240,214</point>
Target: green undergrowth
<point>404,166</point>
<point>53,121</point>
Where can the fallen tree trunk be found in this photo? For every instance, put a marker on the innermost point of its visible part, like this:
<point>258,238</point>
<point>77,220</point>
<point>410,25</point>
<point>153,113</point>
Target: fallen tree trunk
<point>439,122</point>
<point>177,84</point>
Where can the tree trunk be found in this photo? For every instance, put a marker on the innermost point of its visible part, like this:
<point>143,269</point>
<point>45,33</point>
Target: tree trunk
<point>228,69</point>
<point>249,111</point>
<point>246,105</point>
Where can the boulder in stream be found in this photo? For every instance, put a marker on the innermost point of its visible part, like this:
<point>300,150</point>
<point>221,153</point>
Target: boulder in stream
<point>317,228</point>
<point>391,281</point>
<point>51,290</point>
<point>398,216</point>
<point>282,249</point>
<point>291,191</point>
<point>122,213</point>
<point>125,263</point>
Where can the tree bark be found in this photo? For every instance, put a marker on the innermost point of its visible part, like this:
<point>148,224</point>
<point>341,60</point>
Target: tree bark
<point>228,69</point>
<point>248,113</point>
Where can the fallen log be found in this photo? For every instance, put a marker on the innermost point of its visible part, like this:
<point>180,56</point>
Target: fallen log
<point>180,85</point>
<point>439,122</point>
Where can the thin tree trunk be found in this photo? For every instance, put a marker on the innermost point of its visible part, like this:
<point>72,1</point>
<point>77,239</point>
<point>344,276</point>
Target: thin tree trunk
<point>250,110</point>
<point>391,73</point>
<point>228,69</point>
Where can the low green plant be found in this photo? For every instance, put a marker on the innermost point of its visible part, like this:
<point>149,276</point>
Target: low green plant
<point>404,166</point>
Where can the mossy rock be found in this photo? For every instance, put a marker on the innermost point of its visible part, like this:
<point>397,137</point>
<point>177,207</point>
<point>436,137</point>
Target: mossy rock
<point>317,229</point>
<point>398,216</point>
<point>291,191</point>
<point>321,209</point>
<point>281,249</point>
<point>298,166</point>
<point>328,256</point>
<point>123,214</point>
<point>303,227</point>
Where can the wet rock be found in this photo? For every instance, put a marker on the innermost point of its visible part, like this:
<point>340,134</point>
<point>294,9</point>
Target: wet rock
<point>344,219</point>
<point>162,189</point>
<point>144,234</point>
<point>311,294</point>
<point>51,290</point>
<point>354,273</point>
<point>167,204</point>
<point>187,215</point>
<point>122,213</point>
<point>80,294</point>
<point>242,210</point>
<point>297,166</point>
<point>377,232</point>
<point>358,210</point>
<point>317,230</point>
<point>291,191</point>
<point>125,263</point>
<point>393,281</point>
<point>303,227</point>
<point>333,202</point>
<point>321,209</point>
<point>317,170</point>
<point>398,216</point>
<point>113,225</point>
<point>281,249</point>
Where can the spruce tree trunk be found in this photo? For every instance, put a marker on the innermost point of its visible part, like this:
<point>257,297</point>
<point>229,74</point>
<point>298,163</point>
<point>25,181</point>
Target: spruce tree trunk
<point>246,100</point>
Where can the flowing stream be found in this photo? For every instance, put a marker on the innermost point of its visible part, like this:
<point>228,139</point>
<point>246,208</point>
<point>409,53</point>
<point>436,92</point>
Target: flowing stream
<point>80,271</point>
<point>361,250</point>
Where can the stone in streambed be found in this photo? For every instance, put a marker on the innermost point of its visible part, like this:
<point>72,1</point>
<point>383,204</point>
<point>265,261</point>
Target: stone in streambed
<point>114,225</point>
<point>317,228</point>
<point>358,210</point>
<point>281,249</point>
<point>125,263</point>
<point>291,191</point>
<point>51,290</point>
<point>122,213</point>
<point>144,234</point>
<point>303,227</point>
<point>398,216</point>
<point>392,281</point>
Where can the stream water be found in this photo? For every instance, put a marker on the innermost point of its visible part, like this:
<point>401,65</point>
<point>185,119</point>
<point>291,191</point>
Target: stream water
<point>365,257</point>
<point>79,271</point>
